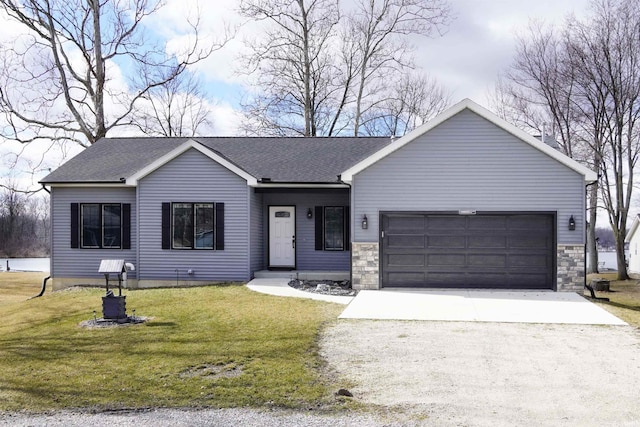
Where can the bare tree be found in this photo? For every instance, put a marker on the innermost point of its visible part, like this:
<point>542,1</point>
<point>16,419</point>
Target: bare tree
<point>538,93</point>
<point>587,85</point>
<point>605,52</point>
<point>56,78</point>
<point>24,225</point>
<point>415,99</point>
<point>295,71</point>
<point>177,108</point>
<point>321,71</point>
<point>380,28</point>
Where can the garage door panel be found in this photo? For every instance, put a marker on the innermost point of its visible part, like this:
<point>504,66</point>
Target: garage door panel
<point>406,241</point>
<point>528,241</point>
<point>490,241</point>
<point>529,261</point>
<point>487,260</point>
<point>407,279</point>
<point>446,242</point>
<point>406,260</point>
<point>509,251</point>
<point>442,223</point>
<point>449,260</point>
<point>487,222</point>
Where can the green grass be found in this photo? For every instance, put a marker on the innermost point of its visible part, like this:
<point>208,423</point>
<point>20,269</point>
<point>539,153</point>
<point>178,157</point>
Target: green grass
<point>217,346</point>
<point>18,286</point>
<point>624,298</point>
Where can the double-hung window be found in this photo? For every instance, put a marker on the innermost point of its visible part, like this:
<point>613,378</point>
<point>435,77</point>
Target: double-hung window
<point>100,225</point>
<point>191,225</point>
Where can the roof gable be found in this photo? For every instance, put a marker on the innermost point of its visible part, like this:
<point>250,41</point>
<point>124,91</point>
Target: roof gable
<point>467,104</point>
<point>188,145</point>
<point>634,228</point>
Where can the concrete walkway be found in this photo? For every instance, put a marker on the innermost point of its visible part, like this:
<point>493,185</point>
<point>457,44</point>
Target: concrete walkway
<point>280,287</point>
<point>456,305</point>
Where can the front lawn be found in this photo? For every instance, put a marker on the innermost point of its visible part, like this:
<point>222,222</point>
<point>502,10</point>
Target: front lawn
<point>624,298</point>
<point>217,346</point>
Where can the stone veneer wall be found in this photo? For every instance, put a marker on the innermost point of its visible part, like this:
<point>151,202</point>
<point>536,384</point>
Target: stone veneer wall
<point>365,266</point>
<point>571,268</point>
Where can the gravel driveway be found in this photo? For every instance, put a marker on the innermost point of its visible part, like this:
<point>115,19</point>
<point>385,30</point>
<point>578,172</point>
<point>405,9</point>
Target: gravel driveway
<point>489,374</point>
<point>445,374</point>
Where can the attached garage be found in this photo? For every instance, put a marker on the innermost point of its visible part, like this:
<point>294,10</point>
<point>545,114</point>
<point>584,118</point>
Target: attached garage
<point>468,201</point>
<point>468,250</point>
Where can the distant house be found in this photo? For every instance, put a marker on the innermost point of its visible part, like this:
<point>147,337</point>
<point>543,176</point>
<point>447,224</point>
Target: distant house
<point>633,244</point>
<point>466,200</point>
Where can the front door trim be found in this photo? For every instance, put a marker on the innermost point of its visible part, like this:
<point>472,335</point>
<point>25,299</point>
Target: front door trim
<point>291,258</point>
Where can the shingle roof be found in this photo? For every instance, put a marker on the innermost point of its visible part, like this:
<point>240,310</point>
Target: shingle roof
<point>312,160</point>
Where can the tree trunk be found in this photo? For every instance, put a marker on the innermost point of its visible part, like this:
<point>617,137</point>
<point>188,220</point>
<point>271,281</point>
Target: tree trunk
<point>592,244</point>
<point>621,258</point>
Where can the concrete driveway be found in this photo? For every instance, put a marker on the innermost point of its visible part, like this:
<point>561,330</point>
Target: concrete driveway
<point>478,306</point>
<point>455,305</point>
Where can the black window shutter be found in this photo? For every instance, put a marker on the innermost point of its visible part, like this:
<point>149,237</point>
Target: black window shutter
<point>219,224</point>
<point>166,225</point>
<point>347,229</point>
<point>75,225</point>
<point>319,228</point>
<point>126,226</point>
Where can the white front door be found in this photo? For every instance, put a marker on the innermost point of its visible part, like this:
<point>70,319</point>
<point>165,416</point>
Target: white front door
<point>282,236</point>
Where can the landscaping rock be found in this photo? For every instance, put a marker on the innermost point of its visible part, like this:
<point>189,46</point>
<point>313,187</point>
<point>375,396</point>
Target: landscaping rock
<point>325,287</point>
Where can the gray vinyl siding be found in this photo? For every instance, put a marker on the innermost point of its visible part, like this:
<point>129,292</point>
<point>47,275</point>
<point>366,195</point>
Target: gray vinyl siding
<point>307,258</point>
<point>80,262</point>
<point>257,235</point>
<point>467,163</point>
<point>193,177</point>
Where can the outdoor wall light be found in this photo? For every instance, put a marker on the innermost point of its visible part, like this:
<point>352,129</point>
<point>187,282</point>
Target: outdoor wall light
<point>365,222</point>
<point>309,213</point>
<point>572,223</point>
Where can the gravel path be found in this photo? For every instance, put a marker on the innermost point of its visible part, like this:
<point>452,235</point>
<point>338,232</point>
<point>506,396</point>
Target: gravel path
<point>444,374</point>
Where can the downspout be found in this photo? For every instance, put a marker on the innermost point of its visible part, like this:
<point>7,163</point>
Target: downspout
<point>44,285</point>
<point>352,229</point>
<point>44,281</point>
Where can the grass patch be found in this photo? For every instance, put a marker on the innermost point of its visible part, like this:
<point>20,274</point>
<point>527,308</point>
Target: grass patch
<point>211,346</point>
<point>19,286</point>
<point>624,298</point>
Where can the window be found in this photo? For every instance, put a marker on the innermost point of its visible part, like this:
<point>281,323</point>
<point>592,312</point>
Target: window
<point>100,225</point>
<point>332,228</point>
<point>192,225</point>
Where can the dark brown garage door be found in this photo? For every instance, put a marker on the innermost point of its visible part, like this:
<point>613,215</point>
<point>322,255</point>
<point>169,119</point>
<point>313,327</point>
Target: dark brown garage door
<point>485,250</point>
